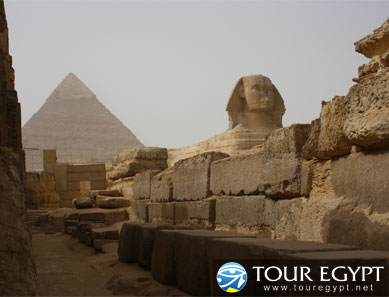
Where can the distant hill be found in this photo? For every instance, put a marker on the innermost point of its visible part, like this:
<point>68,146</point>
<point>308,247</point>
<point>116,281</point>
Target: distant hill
<point>78,125</point>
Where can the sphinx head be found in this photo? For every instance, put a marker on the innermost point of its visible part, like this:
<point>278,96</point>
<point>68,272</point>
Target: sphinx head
<point>255,96</point>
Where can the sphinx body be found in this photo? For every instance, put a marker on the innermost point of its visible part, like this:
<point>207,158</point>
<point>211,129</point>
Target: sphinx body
<point>255,108</point>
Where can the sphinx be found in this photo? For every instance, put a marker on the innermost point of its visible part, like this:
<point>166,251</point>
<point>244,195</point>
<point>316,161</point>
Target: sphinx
<point>255,108</point>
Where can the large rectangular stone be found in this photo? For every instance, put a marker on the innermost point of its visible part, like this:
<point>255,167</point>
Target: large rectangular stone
<point>252,173</point>
<point>161,212</point>
<point>287,141</point>
<point>260,216</point>
<point>190,254</point>
<point>146,239</point>
<point>84,176</point>
<point>191,176</point>
<point>139,211</point>
<point>162,186</point>
<point>129,242</point>
<point>196,213</point>
<point>142,184</point>
<point>109,232</point>
<point>86,168</point>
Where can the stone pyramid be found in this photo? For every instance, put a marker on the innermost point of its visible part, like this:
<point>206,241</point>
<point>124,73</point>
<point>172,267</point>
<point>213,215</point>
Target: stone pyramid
<point>77,125</point>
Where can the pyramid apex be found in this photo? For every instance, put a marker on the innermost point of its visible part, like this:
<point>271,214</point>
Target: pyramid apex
<point>71,88</point>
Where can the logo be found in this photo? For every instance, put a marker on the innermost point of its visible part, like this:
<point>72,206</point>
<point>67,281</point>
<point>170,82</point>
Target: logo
<point>231,277</point>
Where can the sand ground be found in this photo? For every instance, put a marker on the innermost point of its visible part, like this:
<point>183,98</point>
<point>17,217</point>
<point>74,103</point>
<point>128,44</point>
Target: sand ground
<point>66,267</point>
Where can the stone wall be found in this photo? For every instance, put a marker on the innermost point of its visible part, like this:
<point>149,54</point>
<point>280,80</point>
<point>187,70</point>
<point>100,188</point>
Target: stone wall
<point>40,190</point>
<point>72,181</point>
<point>326,182</point>
<point>17,270</point>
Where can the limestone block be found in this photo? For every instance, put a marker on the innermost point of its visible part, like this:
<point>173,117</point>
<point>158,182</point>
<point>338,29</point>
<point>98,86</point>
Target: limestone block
<point>82,176</point>
<point>139,212</point>
<point>375,43</point>
<point>98,184</point>
<point>112,202</point>
<point>112,193</point>
<point>86,168</point>
<point>190,255</point>
<point>286,141</point>
<point>252,173</point>
<point>162,186</point>
<point>191,176</point>
<point>367,112</point>
<point>260,216</point>
<point>246,214</point>
<point>161,212</point>
<point>108,216</point>
<point>109,232</point>
<point>129,243</point>
<point>196,213</point>
<point>137,160</point>
<point>142,184</point>
<point>83,202</point>
<point>163,267</point>
<point>146,239</point>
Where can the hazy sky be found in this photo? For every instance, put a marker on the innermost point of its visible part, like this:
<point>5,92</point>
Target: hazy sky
<point>166,68</point>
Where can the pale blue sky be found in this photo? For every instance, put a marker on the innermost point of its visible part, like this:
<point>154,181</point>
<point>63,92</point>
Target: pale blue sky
<point>166,68</point>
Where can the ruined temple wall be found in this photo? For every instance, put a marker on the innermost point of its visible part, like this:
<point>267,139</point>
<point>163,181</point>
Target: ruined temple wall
<point>17,270</point>
<point>326,181</point>
<point>40,190</point>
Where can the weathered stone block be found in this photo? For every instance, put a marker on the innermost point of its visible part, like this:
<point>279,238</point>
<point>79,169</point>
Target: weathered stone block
<point>146,239</point>
<point>196,213</point>
<point>137,160</point>
<point>112,202</point>
<point>109,232</point>
<point>139,211</point>
<point>142,185</point>
<point>252,174</point>
<point>257,215</point>
<point>190,254</point>
<point>246,214</point>
<point>375,43</point>
<point>162,186</point>
<point>163,267</point>
<point>161,212</point>
<point>129,243</point>
<point>367,112</point>
<point>108,216</point>
<point>191,176</point>
<point>286,141</point>
<point>83,202</point>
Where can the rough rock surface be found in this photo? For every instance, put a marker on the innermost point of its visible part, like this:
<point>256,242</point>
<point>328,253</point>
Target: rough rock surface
<point>17,270</point>
<point>162,187</point>
<point>367,108</point>
<point>142,185</point>
<point>375,43</point>
<point>137,160</point>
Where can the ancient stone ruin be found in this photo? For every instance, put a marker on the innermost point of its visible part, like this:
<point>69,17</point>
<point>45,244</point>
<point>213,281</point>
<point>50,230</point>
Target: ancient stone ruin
<point>154,223</point>
<point>255,108</point>
<point>75,123</point>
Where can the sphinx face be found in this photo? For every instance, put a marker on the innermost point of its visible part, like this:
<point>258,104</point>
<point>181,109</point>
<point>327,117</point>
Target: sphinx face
<point>259,94</point>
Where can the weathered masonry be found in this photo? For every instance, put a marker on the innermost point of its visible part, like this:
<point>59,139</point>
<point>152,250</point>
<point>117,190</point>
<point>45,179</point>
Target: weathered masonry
<point>72,181</point>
